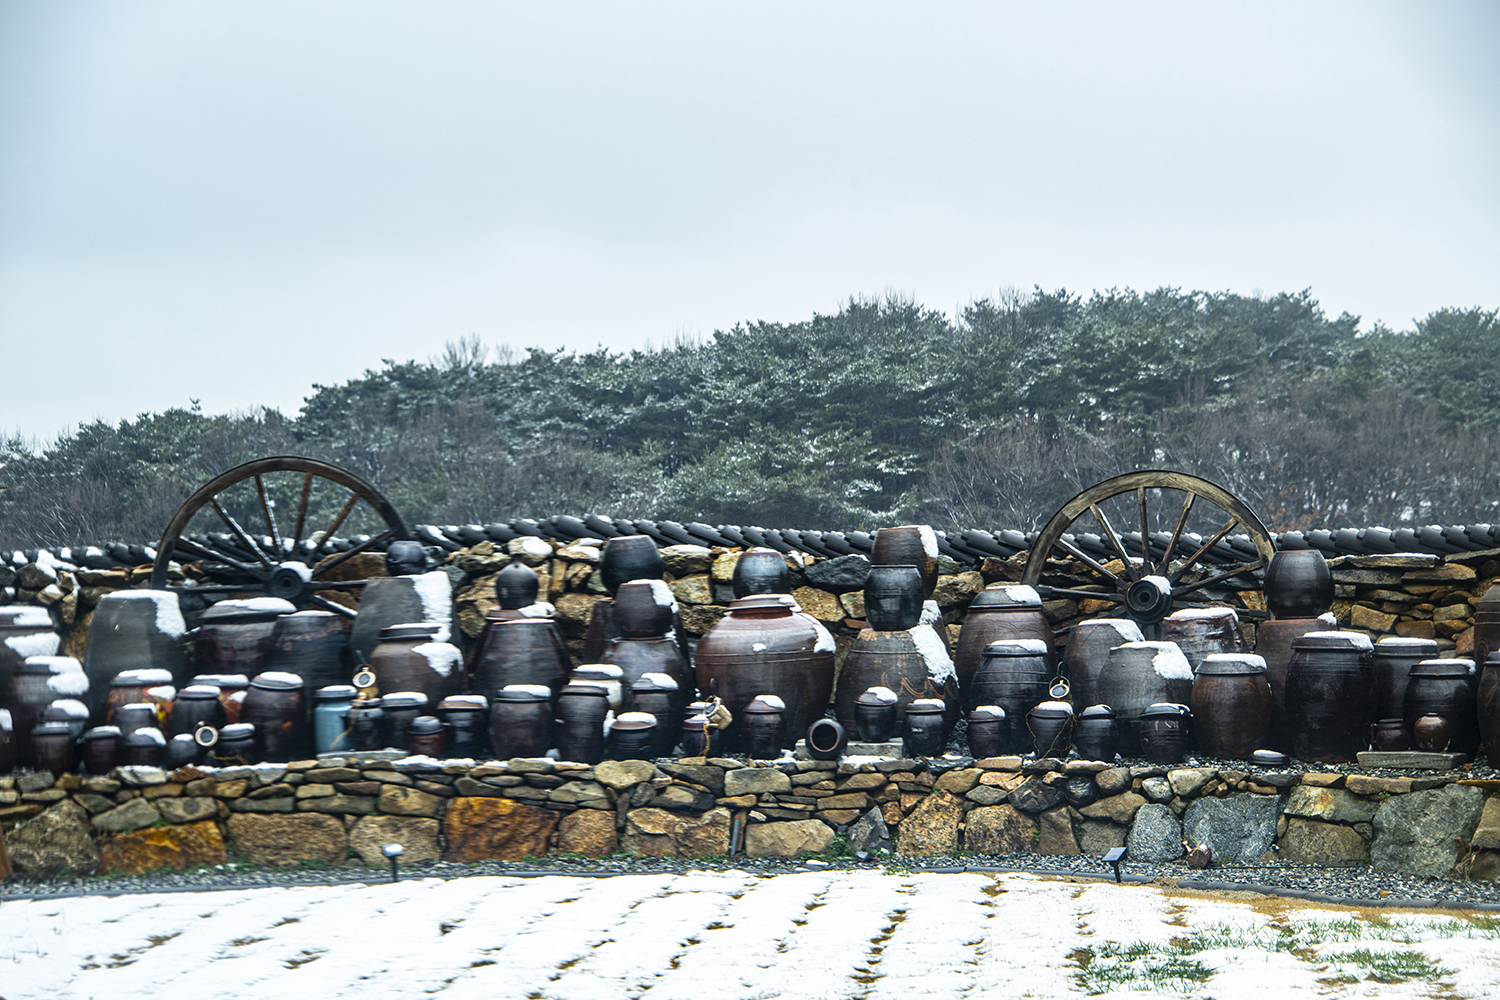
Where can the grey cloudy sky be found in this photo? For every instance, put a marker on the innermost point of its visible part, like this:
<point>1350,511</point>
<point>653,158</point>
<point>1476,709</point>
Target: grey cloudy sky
<point>232,201</point>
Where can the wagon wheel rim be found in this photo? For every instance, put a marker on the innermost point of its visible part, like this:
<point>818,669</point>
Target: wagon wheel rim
<point>280,568</point>
<point>1152,585</point>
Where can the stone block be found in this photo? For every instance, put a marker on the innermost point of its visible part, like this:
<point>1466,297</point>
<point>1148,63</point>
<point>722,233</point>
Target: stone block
<point>1425,833</point>
<point>1364,617</point>
<point>1334,805</point>
<point>870,833</point>
<point>590,832</point>
<point>695,589</point>
<point>282,805</point>
<point>131,816</point>
<point>1312,842</point>
<point>985,795</point>
<point>230,789</point>
<point>820,604</point>
<point>931,828</point>
<point>756,781</point>
<point>188,809</point>
<point>1239,829</point>
<point>338,805</point>
<point>1098,837</point>
<point>623,773</point>
<point>999,830</point>
<point>845,573</point>
<point>1487,833</point>
<point>1113,781</point>
<point>854,800</point>
<point>662,834</point>
<point>1117,808</point>
<point>1033,796</point>
<point>281,840</point>
<point>57,840</point>
<point>139,777</point>
<point>1364,784</point>
<point>177,846</point>
<point>685,560</point>
<point>480,829</point>
<point>398,801</point>
<point>1416,630</point>
<point>1155,835</point>
<point>959,588</point>
<point>1056,833</point>
<point>787,839</point>
<point>588,794</point>
<point>417,836</point>
<point>959,780</point>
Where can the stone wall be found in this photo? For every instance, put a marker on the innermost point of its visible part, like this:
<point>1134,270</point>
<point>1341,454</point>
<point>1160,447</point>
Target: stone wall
<point>336,811</point>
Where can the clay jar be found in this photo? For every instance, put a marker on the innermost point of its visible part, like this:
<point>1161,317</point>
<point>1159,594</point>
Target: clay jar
<point>997,614</point>
<point>826,740</point>
<point>146,748</point>
<point>312,645</point>
<point>517,585</point>
<point>763,730</point>
<point>1488,707</point>
<point>24,631</point>
<point>330,728</point>
<point>1014,675</point>
<point>633,736</point>
<point>196,705</point>
<point>401,709</point>
<point>924,734</point>
<point>1165,732</point>
<point>134,630</point>
<point>987,731</point>
<point>1330,696</point>
<point>424,736</point>
<point>521,721</point>
<point>1273,643</point>
<point>581,711</point>
<point>1051,728</point>
<point>521,651</point>
<point>1389,735</point>
<point>1298,584</point>
<point>608,676</point>
<point>232,689</point>
<point>700,738</point>
<point>1442,687</point>
<point>1087,652</point>
<point>658,695</point>
<point>1096,734</point>
<point>277,706</point>
<point>762,647</point>
<point>234,637</point>
<point>101,749</point>
<point>366,724</point>
<point>236,744</point>
<point>132,687</point>
<point>467,719</point>
<point>129,718</point>
<point>31,691</point>
<point>644,609</point>
<point>1137,675</point>
<point>1394,656</point>
<point>407,659</point>
<point>1199,632</point>
<point>52,747</point>
<point>1487,624</point>
<point>893,598</point>
<point>1432,733</point>
<point>630,557</point>
<point>1231,703</point>
<point>761,571</point>
<point>908,545</point>
<point>7,742</point>
<point>875,715</point>
<point>914,664</point>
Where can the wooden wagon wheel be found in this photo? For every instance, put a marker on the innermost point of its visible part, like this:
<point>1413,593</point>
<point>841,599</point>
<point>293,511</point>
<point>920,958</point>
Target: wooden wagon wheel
<point>1161,570</point>
<point>294,565</point>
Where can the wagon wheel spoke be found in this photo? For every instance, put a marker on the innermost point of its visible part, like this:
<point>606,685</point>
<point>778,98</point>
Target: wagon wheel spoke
<point>1140,500</point>
<point>1166,559</point>
<point>333,606</point>
<point>240,533</point>
<point>343,557</point>
<point>1087,595</point>
<point>214,555</point>
<point>1208,543</point>
<point>353,502</point>
<point>1239,570</point>
<point>302,510</point>
<point>1088,561</point>
<point>1114,541</point>
<point>265,511</point>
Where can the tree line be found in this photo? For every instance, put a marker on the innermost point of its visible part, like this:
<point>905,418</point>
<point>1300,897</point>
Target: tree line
<point>885,411</point>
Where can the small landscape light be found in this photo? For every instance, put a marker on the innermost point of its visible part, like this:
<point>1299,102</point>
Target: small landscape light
<point>393,852</point>
<point>1114,856</point>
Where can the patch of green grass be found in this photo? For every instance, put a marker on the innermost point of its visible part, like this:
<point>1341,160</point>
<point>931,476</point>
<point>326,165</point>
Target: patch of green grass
<point>311,865</point>
<point>1137,965</point>
<point>1393,966</point>
<point>838,850</point>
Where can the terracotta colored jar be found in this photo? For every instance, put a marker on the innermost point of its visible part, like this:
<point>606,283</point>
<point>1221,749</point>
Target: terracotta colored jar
<point>232,690</point>
<point>1432,733</point>
<point>1096,735</point>
<point>908,545</point>
<point>1001,614</point>
<point>132,687</point>
<point>1389,735</point>
<point>1487,624</point>
<point>1330,695</point>
<point>277,706</point>
<point>408,659</point>
<point>1231,703</point>
<point>875,717</point>
<point>521,651</point>
<point>893,598</point>
<point>424,735</point>
<point>1138,675</point>
<point>762,647</point>
<point>1298,584</point>
<point>761,571</point>
<point>987,731</point>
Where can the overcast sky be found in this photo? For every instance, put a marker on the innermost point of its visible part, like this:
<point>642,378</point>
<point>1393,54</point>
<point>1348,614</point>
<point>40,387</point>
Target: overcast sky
<point>232,201</point>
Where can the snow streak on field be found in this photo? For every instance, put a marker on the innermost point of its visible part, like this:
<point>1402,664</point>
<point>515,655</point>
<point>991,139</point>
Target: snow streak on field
<point>705,936</point>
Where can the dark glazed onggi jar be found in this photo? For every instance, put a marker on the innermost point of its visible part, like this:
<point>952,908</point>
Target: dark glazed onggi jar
<point>925,733</point>
<point>1298,584</point>
<point>101,749</point>
<point>581,711</point>
<point>52,748</point>
<point>1000,614</point>
<point>1096,735</point>
<point>629,557</point>
<point>1165,731</point>
<point>1443,687</point>
<point>763,729</point>
<point>1231,704</point>
<point>987,726</point>
<point>521,721</point>
<point>875,715</point>
<point>1051,728</point>
<point>632,736</point>
<point>408,658</point>
<point>425,737</point>
<point>761,571</point>
<point>893,598</point>
<point>1330,698</point>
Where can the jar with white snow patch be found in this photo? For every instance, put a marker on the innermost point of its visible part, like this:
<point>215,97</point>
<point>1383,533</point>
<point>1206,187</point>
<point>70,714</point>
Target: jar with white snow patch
<point>1137,675</point>
<point>24,631</point>
<point>914,663</point>
<point>409,658</point>
<point>1012,674</point>
<point>277,707</point>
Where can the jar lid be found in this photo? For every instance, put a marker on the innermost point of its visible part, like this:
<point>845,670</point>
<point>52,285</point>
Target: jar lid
<point>1402,645</point>
<point>698,721</point>
<point>247,611</point>
<point>1446,668</point>
<point>1017,647</point>
<point>224,682</point>
<point>1002,596</point>
<point>654,682</point>
<point>335,692</point>
<point>138,706</point>
<point>761,602</point>
<point>404,699</point>
<point>464,703</point>
<point>1164,709</point>
<point>58,729</point>
<point>1097,712</point>
<point>589,688</point>
<point>65,708</point>
<point>199,692</point>
<point>410,630</point>
<point>1052,710</point>
<point>102,733</point>
<point>276,680</point>
<point>1269,758</point>
<point>1219,664</point>
<point>630,721</point>
<point>424,725</point>
<point>524,692</point>
<point>595,671</point>
<point>876,696</point>
<point>1334,640</point>
<point>987,713</point>
<point>144,737</point>
<point>766,704</point>
<point>141,678</point>
<point>366,704</point>
<point>1191,614</point>
<point>926,706</point>
<point>237,729</point>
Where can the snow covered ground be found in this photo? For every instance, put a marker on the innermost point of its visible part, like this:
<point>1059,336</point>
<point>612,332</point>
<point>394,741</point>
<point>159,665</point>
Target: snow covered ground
<point>705,936</point>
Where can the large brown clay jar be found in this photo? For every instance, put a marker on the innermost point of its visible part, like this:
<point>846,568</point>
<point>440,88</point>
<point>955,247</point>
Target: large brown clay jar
<point>630,557</point>
<point>313,645</point>
<point>1330,696</point>
<point>999,614</point>
<point>1442,687</point>
<point>1487,624</point>
<point>1488,707</point>
<point>1138,675</point>
<point>762,647</point>
<point>234,637</point>
<point>521,651</point>
<point>24,631</point>
<point>1013,675</point>
<point>644,609</point>
<point>1087,652</point>
<point>408,659</point>
<point>1394,656</point>
<point>638,657</point>
<point>1273,643</point>
<point>910,663</point>
<point>1298,584</point>
<point>909,545</point>
<point>1231,703</point>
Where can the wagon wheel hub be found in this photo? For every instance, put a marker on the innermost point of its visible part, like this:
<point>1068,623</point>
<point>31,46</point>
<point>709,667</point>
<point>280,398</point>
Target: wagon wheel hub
<point>1149,600</point>
<point>289,581</point>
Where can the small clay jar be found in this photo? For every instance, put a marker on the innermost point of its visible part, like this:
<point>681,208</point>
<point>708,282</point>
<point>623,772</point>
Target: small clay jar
<point>129,718</point>
<point>1431,733</point>
<point>656,695</point>
<point>987,729</point>
<point>1389,735</point>
<point>401,708</point>
<point>763,727</point>
<point>581,710</point>
<point>197,704</point>
<point>101,749</point>
<point>236,744</point>
<point>826,740</point>
<point>7,742</point>
<point>146,748</point>
<point>1096,734</point>
<point>632,736</point>
<point>700,738</point>
<point>761,571</point>
<point>925,733</point>
<point>232,689</point>
<point>1051,727</point>
<point>182,751</point>
<point>277,705</point>
<point>467,719</point>
<point>521,721</point>
<point>517,585</point>
<point>52,747</point>
<point>1165,731</point>
<point>366,724</point>
<point>608,676</point>
<point>876,715</point>
<point>424,736</point>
